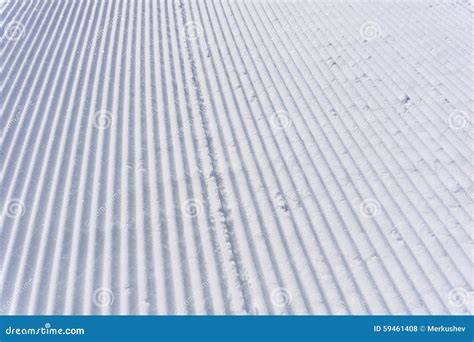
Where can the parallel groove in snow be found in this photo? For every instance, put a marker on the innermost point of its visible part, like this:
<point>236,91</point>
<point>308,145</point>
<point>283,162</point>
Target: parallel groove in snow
<point>140,137</point>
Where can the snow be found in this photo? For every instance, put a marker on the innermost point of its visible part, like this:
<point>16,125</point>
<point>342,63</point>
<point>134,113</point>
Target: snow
<point>236,157</point>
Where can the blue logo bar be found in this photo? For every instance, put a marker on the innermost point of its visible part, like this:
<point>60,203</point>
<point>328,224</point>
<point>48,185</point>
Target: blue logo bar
<point>237,328</point>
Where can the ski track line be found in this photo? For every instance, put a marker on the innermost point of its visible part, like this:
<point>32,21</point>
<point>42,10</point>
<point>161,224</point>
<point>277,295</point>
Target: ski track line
<point>236,157</point>
<point>466,217</point>
<point>62,247</point>
<point>220,191</point>
<point>377,244</point>
<point>45,254</point>
<point>326,204</point>
<point>19,18</point>
<point>19,260</point>
<point>224,107</point>
<point>267,154</point>
<point>29,93</point>
<point>192,142</point>
<point>18,51</point>
<point>15,116</point>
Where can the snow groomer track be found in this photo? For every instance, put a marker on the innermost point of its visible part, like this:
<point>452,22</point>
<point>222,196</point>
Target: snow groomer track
<point>236,157</point>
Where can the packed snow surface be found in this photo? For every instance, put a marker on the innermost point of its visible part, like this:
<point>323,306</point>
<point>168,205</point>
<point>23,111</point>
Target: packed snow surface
<point>236,157</point>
